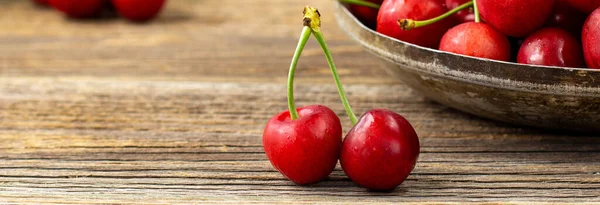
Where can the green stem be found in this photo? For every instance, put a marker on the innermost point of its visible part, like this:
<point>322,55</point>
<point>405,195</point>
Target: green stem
<point>313,20</point>
<point>361,3</point>
<point>290,84</point>
<point>407,24</point>
<point>319,36</point>
<point>477,15</point>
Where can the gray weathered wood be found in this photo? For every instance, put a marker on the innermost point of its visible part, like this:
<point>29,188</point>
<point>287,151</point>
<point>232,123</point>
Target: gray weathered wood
<point>173,111</point>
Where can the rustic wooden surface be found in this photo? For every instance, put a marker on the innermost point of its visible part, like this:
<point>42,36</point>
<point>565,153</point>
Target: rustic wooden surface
<point>172,112</point>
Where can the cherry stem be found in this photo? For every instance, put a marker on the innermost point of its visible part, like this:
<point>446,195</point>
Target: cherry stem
<point>361,3</point>
<point>312,19</point>
<point>304,36</point>
<point>477,16</point>
<point>408,24</point>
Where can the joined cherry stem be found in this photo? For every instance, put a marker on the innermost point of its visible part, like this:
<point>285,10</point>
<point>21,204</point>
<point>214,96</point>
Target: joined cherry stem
<point>477,15</point>
<point>408,24</point>
<point>304,36</point>
<point>312,19</point>
<point>361,3</point>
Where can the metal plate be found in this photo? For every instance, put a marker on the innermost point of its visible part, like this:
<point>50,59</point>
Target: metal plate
<point>539,96</point>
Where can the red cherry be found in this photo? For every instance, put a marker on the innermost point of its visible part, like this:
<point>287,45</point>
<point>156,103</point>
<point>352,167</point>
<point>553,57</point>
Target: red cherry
<point>428,36</point>
<point>380,151</point>
<point>463,16</point>
<point>367,15</point>
<point>590,37</point>
<point>586,6</point>
<point>566,17</point>
<point>551,47</point>
<point>304,150</point>
<point>139,10</point>
<point>477,40</point>
<point>517,18</point>
<point>78,8</point>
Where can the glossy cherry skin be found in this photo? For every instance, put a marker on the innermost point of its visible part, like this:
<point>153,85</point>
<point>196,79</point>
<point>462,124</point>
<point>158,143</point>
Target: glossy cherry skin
<point>428,36</point>
<point>466,15</point>
<point>590,37</point>
<point>380,151</point>
<point>139,10</point>
<point>79,8</point>
<point>516,18</point>
<point>586,6</point>
<point>307,149</point>
<point>367,15</point>
<point>566,17</point>
<point>477,40</point>
<point>551,47</point>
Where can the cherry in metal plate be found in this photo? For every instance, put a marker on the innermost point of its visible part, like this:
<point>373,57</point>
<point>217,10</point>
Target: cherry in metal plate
<point>538,96</point>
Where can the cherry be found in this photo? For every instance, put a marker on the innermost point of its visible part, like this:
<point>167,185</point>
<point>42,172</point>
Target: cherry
<point>382,148</point>
<point>517,18</point>
<point>303,144</point>
<point>429,36</point>
<point>78,8</point>
<point>304,150</point>
<point>380,151</point>
<point>366,14</point>
<point>139,10</point>
<point>590,37</point>
<point>471,38</point>
<point>586,6</point>
<point>464,15</point>
<point>551,47</point>
<point>477,40</point>
<point>566,17</point>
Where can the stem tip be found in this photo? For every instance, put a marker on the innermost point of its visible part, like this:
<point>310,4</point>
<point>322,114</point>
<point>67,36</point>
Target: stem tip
<point>312,18</point>
<point>406,24</point>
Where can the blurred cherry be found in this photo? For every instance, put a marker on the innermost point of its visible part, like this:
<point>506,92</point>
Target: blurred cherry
<point>139,10</point>
<point>79,8</point>
<point>365,14</point>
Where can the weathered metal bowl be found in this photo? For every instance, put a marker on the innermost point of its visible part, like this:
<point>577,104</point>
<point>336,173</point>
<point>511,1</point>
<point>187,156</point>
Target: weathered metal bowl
<point>539,96</point>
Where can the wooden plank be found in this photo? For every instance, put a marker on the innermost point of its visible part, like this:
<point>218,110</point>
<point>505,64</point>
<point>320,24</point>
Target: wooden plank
<point>173,111</point>
<point>104,141</point>
<point>207,39</point>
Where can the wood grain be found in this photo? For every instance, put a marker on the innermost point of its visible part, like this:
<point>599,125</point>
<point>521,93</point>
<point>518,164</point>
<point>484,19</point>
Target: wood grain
<point>172,112</point>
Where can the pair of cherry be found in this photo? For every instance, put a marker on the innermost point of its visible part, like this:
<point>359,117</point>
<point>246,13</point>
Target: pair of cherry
<point>563,40</point>
<point>304,144</point>
<point>134,10</point>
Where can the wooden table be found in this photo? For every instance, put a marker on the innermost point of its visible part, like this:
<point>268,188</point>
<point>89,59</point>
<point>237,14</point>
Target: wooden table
<point>105,111</point>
